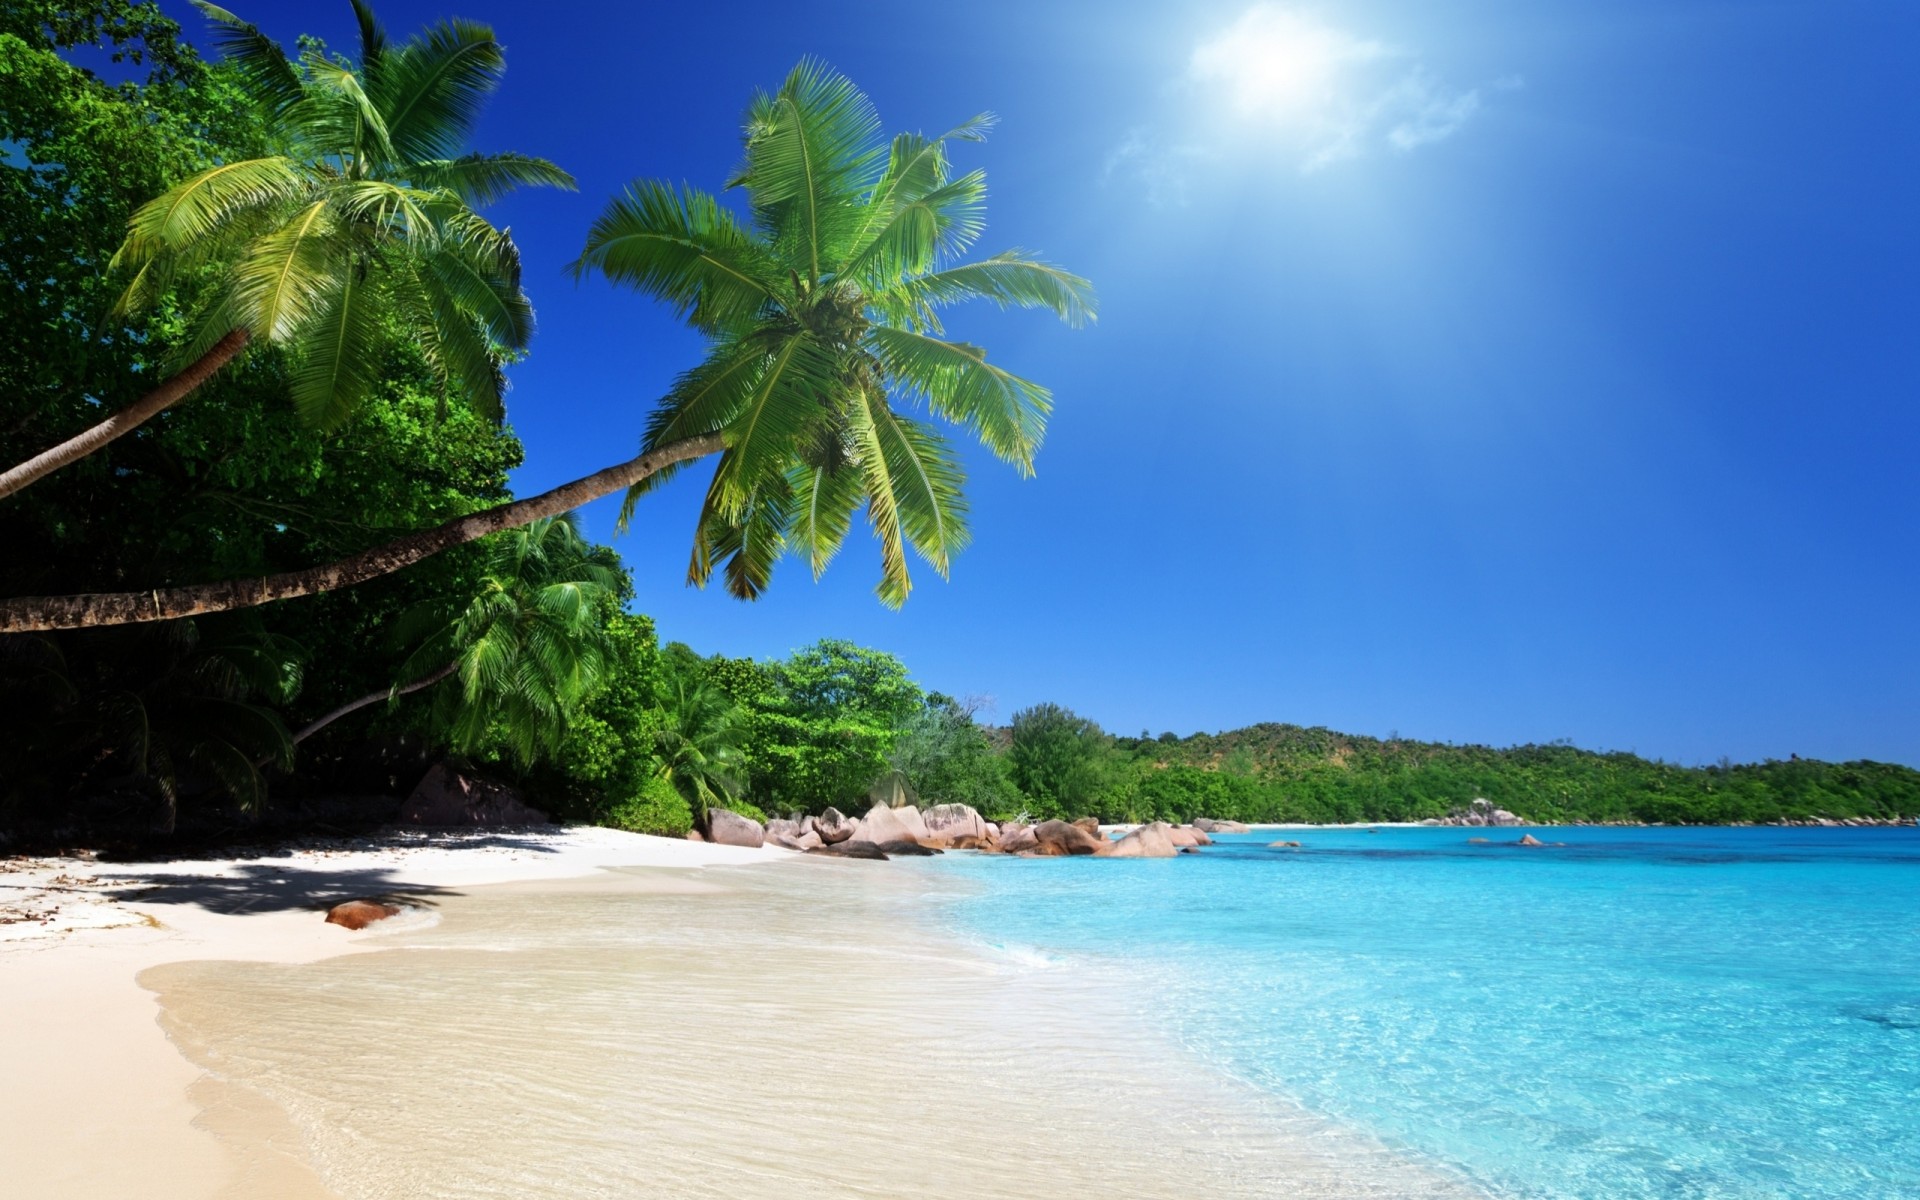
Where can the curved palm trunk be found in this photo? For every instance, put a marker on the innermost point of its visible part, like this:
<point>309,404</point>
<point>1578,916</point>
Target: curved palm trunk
<point>425,681</point>
<point>29,613</point>
<point>128,419</point>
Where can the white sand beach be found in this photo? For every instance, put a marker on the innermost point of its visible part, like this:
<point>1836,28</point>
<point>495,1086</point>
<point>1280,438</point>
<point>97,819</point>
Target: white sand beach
<point>97,1102</point>
<point>590,1013</point>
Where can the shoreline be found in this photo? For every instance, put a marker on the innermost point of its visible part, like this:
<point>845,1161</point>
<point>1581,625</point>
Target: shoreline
<point>104,1104</point>
<point>122,1028</point>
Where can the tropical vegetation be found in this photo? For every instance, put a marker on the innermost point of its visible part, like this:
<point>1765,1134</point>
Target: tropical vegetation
<point>145,683</point>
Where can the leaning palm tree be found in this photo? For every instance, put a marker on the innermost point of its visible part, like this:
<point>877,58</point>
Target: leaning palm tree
<point>827,358</point>
<point>702,742</point>
<point>528,648</point>
<point>366,214</point>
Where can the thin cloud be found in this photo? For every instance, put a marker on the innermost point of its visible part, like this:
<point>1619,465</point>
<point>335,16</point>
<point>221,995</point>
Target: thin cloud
<point>1324,95</point>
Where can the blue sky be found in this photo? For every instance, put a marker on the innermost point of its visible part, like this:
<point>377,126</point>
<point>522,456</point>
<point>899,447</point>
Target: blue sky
<point>1480,370</point>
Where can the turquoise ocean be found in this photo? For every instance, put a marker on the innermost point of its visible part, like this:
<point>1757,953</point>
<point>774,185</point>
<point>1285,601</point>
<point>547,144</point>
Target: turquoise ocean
<point>1672,1013</point>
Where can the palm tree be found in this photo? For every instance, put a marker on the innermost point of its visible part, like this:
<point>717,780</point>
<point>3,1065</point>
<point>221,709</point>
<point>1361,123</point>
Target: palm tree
<point>528,648</point>
<point>702,742</point>
<point>366,214</point>
<point>823,314</point>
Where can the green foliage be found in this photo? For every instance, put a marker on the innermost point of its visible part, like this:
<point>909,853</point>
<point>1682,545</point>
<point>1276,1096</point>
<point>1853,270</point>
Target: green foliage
<point>819,725</point>
<point>700,739</point>
<point>821,310</point>
<point>1289,773</point>
<point>947,758</point>
<point>1063,762</point>
<point>228,486</point>
<point>357,216</point>
<point>656,806</point>
<point>529,647</point>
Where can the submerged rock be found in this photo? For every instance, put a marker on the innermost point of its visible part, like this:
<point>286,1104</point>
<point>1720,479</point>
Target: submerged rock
<point>1283,845</point>
<point>358,914</point>
<point>728,828</point>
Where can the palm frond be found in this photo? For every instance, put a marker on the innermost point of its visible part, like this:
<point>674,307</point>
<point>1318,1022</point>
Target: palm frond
<point>336,369</point>
<point>373,45</point>
<point>791,398</point>
<point>812,151</point>
<point>944,220</point>
<point>824,502</point>
<point>883,509</point>
<point>432,87</point>
<point>749,544</point>
<point>472,274</point>
<point>1011,280</point>
<point>340,114</point>
<point>284,279</point>
<point>266,75</point>
<point>681,246</point>
<point>927,485</point>
<point>1007,413</point>
<point>484,178</point>
<point>196,208</point>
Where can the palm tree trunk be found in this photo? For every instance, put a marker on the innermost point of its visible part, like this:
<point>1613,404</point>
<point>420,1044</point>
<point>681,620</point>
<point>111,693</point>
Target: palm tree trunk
<point>425,681</point>
<point>128,419</point>
<point>29,613</point>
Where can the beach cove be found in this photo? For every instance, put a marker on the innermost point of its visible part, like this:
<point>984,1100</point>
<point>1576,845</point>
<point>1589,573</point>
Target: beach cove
<point>691,1020</point>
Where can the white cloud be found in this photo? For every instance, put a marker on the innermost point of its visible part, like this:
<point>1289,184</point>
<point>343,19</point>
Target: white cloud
<point>1321,94</point>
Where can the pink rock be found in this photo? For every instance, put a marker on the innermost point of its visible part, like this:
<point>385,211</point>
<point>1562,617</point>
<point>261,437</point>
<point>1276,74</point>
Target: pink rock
<point>1148,841</point>
<point>1060,838</point>
<point>883,824</point>
<point>728,828</point>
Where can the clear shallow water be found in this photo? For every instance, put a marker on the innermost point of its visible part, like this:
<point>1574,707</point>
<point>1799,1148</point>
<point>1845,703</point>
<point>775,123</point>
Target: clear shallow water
<point>1642,1013</point>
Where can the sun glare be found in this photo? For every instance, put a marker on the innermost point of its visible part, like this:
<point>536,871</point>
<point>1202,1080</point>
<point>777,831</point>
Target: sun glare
<point>1278,64</point>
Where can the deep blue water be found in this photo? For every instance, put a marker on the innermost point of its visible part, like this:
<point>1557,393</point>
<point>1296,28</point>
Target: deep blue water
<point>1641,1013</point>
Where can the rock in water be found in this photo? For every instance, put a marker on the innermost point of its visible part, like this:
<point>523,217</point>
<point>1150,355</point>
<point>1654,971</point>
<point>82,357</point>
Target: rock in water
<point>833,826</point>
<point>1209,825</point>
<point>448,797</point>
<point>951,822</point>
<point>1090,824</point>
<point>852,849</point>
<point>883,824</point>
<point>1529,840</point>
<point>1148,841</point>
<point>728,828</point>
<point>1060,838</point>
<point>358,914</point>
<point>1186,835</point>
<point>1283,845</point>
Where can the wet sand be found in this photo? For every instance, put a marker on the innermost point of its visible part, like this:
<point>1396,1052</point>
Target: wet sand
<point>793,1028</point>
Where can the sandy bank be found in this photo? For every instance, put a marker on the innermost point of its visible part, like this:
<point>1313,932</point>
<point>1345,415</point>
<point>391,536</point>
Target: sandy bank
<point>96,1102</point>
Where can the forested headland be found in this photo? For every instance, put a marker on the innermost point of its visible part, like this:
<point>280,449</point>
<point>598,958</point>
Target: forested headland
<point>336,328</point>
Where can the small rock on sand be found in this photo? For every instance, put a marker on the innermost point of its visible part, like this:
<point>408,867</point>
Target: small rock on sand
<point>358,914</point>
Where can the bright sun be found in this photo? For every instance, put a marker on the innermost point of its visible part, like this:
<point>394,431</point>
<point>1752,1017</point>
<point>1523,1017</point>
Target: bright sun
<point>1277,64</point>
